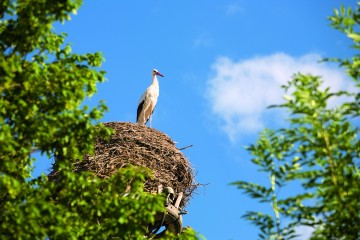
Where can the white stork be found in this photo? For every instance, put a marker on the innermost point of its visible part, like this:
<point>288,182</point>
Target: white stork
<point>148,100</point>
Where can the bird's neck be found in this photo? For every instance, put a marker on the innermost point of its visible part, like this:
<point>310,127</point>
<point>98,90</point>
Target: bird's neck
<point>155,81</point>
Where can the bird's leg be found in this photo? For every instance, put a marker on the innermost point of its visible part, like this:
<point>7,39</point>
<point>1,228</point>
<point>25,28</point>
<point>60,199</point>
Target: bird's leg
<point>150,120</point>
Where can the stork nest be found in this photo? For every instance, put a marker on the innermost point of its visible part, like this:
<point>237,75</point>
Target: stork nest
<point>140,145</point>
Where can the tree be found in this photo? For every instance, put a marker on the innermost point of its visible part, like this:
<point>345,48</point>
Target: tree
<point>42,88</point>
<point>319,152</point>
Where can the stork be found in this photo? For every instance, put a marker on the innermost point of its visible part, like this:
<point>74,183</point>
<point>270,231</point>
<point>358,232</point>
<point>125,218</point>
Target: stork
<point>148,100</point>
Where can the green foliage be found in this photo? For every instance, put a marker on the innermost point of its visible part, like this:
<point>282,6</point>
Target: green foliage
<point>42,89</point>
<point>319,151</point>
<point>42,85</point>
<point>348,21</point>
<point>273,156</point>
<point>187,234</point>
<point>82,206</point>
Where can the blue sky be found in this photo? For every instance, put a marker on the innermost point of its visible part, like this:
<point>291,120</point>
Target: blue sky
<point>223,63</point>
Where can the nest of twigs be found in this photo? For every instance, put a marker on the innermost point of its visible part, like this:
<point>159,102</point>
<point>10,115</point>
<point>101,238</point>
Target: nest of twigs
<point>142,146</point>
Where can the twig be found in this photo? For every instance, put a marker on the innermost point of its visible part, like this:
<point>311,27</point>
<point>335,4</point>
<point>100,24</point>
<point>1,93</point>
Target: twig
<point>185,147</point>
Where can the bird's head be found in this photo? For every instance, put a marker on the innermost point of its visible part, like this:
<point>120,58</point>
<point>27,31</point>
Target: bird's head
<point>156,72</point>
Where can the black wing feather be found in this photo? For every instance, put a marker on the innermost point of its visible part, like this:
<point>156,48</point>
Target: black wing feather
<point>139,109</point>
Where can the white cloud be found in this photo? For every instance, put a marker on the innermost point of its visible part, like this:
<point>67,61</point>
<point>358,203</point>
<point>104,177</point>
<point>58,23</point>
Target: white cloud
<point>240,91</point>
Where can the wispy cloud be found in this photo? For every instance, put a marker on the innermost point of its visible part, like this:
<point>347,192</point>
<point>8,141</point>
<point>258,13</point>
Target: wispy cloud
<point>233,8</point>
<point>202,41</point>
<point>240,91</point>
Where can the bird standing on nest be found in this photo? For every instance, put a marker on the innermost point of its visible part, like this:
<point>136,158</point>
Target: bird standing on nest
<point>148,100</point>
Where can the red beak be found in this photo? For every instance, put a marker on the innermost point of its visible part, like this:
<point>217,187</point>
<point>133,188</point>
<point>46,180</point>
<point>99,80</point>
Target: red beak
<point>159,74</point>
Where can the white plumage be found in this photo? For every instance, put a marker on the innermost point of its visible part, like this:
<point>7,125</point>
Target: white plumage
<point>148,100</point>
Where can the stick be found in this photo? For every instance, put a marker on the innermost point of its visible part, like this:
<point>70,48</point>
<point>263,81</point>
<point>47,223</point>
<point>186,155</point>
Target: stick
<point>185,147</point>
